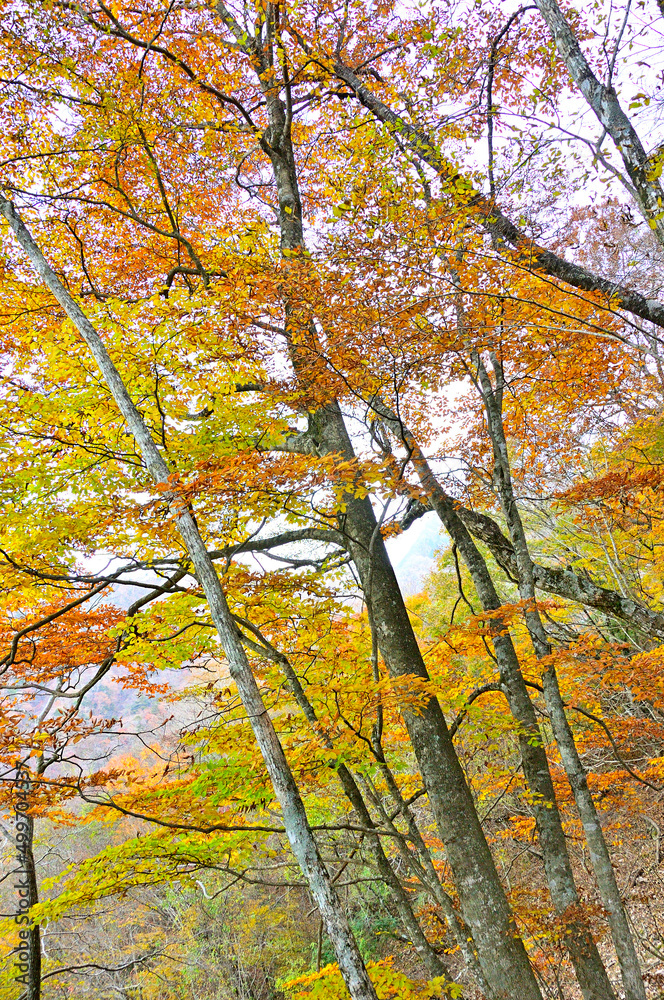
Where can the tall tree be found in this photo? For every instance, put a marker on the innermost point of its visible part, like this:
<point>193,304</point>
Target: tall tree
<point>263,229</point>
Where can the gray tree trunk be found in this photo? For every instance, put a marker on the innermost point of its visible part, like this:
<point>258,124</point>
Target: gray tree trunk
<point>430,958</point>
<point>300,836</point>
<point>424,870</point>
<point>582,949</point>
<point>599,853</point>
<point>483,904</point>
<point>607,109</point>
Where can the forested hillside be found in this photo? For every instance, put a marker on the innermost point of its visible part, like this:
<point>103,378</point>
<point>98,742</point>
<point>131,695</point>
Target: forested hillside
<point>277,281</point>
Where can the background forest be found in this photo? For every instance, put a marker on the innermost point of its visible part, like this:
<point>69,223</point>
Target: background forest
<point>285,289</point>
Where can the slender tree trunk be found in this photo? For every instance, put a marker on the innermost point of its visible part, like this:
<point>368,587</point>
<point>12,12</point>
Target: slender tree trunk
<point>607,109</point>
<point>588,966</point>
<point>425,871</point>
<point>427,954</point>
<point>432,961</point>
<point>299,833</point>
<point>599,853</point>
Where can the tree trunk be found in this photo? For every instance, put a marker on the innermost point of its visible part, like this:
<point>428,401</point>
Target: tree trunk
<point>299,833</point>
<point>599,854</point>
<point>425,871</point>
<point>609,113</point>
<point>588,966</point>
<point>483,903</point>
<point>432,961</point>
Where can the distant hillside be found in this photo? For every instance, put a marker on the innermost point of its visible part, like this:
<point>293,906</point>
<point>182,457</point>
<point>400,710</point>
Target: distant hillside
<point>413,554</point>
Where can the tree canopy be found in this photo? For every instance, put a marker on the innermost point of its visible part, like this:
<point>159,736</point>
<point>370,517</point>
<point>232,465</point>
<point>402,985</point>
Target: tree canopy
<point>278,280</point>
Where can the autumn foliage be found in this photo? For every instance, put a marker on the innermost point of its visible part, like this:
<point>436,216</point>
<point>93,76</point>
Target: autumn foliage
<point>355,264</point>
